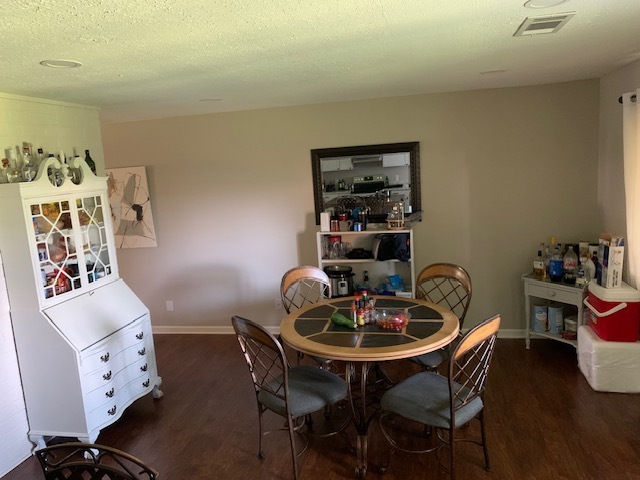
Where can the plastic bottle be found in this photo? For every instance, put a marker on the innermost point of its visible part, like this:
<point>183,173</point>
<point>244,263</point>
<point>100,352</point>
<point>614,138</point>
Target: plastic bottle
<point>589,269</point>
<point>570,266</point>
<point>555,265</point>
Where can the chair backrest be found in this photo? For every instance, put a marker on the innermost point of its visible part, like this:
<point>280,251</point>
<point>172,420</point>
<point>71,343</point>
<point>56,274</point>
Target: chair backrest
<point>469,363</point>
<point>446,284</point>
<point>265,357</point>
<point>303,285</point>
<point>76,460</point>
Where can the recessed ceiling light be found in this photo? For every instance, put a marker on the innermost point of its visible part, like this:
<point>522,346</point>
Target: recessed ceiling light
<point>60,63</point>
<point>543,3</point>
<point>492,72</point>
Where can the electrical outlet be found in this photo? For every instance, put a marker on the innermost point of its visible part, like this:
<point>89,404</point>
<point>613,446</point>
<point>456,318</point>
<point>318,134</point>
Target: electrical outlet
<point>397,179</point>
<point>169,305</point>
<point>278,303</point>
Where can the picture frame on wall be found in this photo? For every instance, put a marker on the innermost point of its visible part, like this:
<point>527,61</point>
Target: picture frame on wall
<point>130,201</point>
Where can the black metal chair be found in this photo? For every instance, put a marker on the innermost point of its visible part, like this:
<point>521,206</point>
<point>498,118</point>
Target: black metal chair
<point>291,392</point>
<point>88,461</point>
<point>442,403</point>
<point>448,285</point>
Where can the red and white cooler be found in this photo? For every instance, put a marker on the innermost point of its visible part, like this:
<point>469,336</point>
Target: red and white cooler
<point>614,313</point>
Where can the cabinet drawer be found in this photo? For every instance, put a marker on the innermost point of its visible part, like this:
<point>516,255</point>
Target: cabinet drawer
<point>98,379</point>
<point>98,358</point>
<point>556,294</point>
<point>104,412</point>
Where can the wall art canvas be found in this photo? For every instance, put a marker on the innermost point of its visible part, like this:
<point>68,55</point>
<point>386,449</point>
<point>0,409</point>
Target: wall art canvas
<point>131,207</point>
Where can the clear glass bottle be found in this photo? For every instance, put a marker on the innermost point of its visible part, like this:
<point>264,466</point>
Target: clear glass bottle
<point>13,175</point>
<point>55,175</point>
<point>29,166</point>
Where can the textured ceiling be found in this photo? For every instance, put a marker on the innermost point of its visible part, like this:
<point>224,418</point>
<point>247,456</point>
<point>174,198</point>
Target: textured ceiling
<point>157,58</point>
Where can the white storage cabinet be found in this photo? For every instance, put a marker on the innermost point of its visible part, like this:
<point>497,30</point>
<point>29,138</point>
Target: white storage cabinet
<point>83,338</point>
<point>336,164</point>
<point>377,269</point>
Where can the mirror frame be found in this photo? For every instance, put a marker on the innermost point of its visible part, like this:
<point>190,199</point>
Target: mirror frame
<point>414,168</point>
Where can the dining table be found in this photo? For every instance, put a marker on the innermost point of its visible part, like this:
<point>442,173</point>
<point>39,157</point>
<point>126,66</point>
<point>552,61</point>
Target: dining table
<point>310,330</point>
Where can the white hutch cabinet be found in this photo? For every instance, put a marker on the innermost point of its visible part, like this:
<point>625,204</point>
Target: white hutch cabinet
<point>84,341</point>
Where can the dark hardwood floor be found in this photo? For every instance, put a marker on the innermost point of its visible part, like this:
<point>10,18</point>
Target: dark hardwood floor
<point>544,422</point>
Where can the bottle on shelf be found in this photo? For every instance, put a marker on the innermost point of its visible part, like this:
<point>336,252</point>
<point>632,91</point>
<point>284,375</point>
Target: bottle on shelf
<point>13,175</point>
<point>29,166</point>
<point>5,168</point>
<point>590,268</point>
<point>538,267</point>
<point>555,265</point>
<point>90,162</point>
<point>55,175</point>
<point>40,157</point>
<point>570,266</point>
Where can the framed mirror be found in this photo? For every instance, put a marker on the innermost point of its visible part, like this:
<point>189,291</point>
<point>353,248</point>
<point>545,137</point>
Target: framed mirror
<point>370,174</point>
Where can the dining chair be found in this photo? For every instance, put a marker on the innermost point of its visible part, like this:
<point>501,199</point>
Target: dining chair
<point>443,403</point>
<point>293,392</point>
<point>301,286</point>
<point>88,461</point>
<point>448,285</point>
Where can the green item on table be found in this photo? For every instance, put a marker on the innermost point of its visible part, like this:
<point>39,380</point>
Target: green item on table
<point>340,319</point>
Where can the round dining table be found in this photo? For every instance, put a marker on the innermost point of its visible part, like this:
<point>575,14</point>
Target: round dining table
<point>310,330</point>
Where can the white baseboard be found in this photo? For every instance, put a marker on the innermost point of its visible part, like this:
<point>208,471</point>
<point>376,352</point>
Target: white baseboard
<point>226,330</point>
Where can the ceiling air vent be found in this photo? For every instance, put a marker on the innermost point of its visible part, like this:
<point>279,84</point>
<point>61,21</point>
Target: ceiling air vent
<point>543,24</point>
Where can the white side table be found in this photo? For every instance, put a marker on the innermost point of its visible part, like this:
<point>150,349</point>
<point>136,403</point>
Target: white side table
<point>556,292</point>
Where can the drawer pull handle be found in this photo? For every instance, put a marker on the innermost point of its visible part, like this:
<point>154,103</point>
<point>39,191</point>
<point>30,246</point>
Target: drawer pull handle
<point>146,383</point>
<point>144,368</point>
<point>140,335</point>
<point>105,358</point>
<point>110,393</point>
<point>142,352</point>
<point>107,376</point>
<point>112,411</point>
<point>552,293</point>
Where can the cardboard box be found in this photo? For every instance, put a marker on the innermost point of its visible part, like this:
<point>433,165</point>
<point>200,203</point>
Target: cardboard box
<point>610,261</point>
<point>608,366</point>
<point>614,313</point>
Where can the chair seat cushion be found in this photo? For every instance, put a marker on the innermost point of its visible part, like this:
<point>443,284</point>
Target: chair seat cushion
<point>310,389</point>
<point>424,398</point>
<point>432,359</point>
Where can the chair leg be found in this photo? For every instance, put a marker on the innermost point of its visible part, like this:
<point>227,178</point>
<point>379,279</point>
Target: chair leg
<point>487,462</point>
<point>292,439</point>
<point>260,451</point>
<point>452,450</point>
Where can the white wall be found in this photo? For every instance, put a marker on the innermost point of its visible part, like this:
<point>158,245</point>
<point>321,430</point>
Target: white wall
<point>54,126</point>
<point>501,171</point>
<point>611,202</point>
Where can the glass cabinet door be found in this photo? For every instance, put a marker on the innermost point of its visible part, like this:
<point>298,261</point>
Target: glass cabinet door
<point>56,247</point>
<point>94,237</point>
<point>71,244</point>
